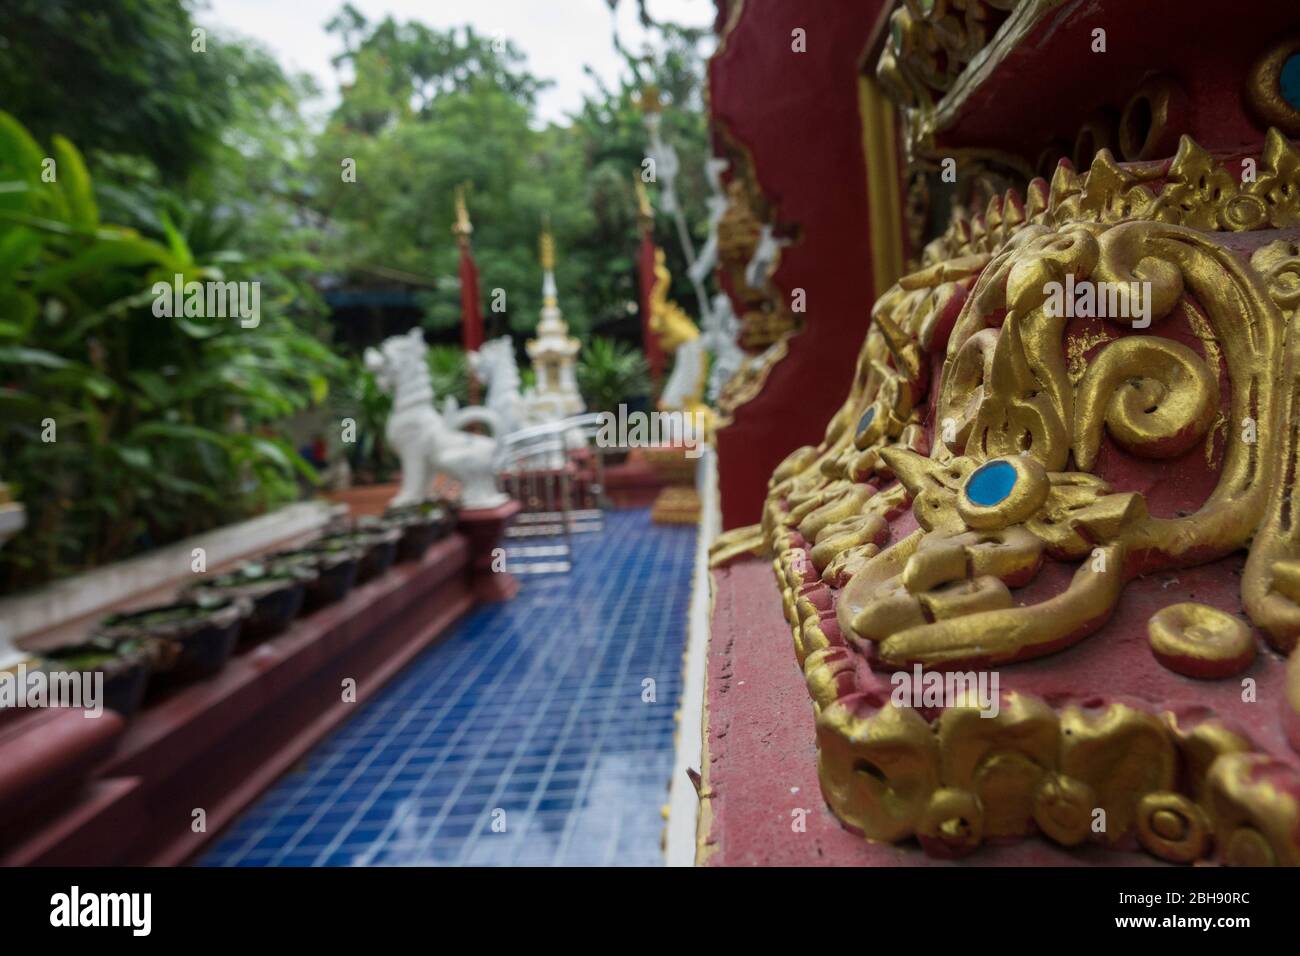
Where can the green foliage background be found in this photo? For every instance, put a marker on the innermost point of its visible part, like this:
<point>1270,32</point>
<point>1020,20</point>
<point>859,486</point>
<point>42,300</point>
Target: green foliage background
<point>208,164</point>
<point>123,428</point>
<point>428,110</point>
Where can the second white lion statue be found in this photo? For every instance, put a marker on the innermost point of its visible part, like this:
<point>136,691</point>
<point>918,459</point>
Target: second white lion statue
<point>425,441</point>
<point>494,365</point>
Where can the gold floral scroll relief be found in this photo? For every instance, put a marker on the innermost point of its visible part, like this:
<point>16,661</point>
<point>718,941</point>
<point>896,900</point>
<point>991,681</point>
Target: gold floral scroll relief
<point>943,595</point>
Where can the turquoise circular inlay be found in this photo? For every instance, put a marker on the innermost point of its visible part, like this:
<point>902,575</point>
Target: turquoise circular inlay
<point>991,484</point>
<point>865,421</point>
<point>1289,81</point>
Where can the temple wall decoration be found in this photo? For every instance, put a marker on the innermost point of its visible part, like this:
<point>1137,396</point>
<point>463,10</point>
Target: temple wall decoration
<point>795,255</point>
<point>1067,452</point>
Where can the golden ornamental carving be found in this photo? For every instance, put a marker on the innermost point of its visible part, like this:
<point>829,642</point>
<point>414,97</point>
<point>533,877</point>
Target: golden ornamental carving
<point>764,316</point>
<point>679,336</point>
<point>937,49</point>
<point>668,320</point>
<point>985,515</point>
<point>748,380</point>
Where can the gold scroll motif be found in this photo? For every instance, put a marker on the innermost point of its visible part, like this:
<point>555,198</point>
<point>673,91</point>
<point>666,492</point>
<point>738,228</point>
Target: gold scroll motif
<point>748,380</point>
<point>765,317</point>
<point>766,323</point>
<point>1023,411</point>
<point>937,49</point>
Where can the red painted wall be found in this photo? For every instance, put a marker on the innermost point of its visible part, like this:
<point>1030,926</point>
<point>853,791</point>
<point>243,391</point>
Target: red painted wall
<point>797,114</point>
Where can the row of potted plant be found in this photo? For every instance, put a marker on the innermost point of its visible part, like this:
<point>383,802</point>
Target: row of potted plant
<point>156,648</point>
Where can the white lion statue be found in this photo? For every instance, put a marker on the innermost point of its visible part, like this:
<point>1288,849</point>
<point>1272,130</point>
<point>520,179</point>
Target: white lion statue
<point>425,441</point>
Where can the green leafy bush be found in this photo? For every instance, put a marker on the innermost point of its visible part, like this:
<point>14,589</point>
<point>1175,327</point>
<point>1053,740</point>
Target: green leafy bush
<point>121,429</point>
<point>448,373</point>
<point>611,373</point>
<point>362,400</point>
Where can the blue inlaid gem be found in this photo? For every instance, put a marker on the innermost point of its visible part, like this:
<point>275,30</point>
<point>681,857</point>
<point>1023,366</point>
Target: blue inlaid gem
<point>1289,81</point>
<point>865,421</point>
<point>991,484</point>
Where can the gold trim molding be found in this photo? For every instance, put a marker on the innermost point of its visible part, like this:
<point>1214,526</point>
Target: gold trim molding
<point>939,51</point>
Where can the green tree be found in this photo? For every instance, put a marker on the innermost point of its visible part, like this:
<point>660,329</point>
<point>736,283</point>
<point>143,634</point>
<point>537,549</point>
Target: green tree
<point>121,77</point>
<point>427,112</point>
<point>611,129</point>
<point>430,110</point>
<point>122,426</point>
<point>611,373</point>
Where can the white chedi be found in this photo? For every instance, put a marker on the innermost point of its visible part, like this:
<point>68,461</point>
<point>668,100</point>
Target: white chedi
<point>554,352</point>
<point>425,441</point>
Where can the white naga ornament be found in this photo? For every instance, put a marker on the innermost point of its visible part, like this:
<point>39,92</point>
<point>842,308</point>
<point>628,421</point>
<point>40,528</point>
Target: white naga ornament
<point>719,335</point>
<point>704,263</point>
<point>763,261</point>
<point>425,441</point>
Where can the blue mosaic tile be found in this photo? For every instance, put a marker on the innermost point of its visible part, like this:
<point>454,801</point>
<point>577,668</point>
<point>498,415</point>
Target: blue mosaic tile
<point>531,711</point>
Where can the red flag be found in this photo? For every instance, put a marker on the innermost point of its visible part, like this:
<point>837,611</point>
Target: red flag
<point>654,355</point>
<point>471,317</point>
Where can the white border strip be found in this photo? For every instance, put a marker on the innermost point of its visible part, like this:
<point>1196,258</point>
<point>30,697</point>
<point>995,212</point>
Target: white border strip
<point>683,801</point>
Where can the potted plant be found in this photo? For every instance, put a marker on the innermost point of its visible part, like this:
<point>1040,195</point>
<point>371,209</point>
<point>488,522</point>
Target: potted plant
<point>125,666</point>
<point>610,374</point>
<point>185,641</point>
<point>361,399</point>
<point>421,525</point>
<point>275,591</point>
<point>377,545</point>
<point>335,573</point>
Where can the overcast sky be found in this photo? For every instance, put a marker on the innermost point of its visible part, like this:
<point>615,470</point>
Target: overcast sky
<point>559,37</point>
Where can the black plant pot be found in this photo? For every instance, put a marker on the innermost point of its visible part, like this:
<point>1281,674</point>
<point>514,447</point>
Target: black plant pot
<point>421,525</point>
<point>378,547</point>
<point>275,593</point>
<point>186,641</point>
<point>416,540</point>
<point>336,572</point>
<point>125,668</point>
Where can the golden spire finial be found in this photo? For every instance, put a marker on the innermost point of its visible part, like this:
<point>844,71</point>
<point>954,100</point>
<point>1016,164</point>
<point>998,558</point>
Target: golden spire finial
<point>649,99</point>
<point>547,245</point>
<point>462,227</point>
